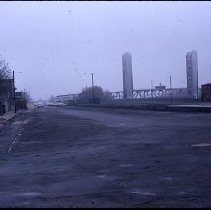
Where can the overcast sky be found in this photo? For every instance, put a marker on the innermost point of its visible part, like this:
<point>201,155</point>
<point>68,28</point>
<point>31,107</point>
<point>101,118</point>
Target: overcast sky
<point>51,45</point>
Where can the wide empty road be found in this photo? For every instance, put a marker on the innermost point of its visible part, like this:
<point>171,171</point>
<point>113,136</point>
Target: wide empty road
<point>86,157</point>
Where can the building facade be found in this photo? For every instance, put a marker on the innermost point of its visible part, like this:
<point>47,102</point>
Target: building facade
<point>192,74</point>
<point>206,92</point>
<point>66,98</point>
<point>127,75</point>
<point>7,102</point>
<point>21,100</point>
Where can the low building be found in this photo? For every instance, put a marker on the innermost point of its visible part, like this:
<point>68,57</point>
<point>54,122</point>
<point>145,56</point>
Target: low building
<point>206,92</point>
<point>6,95</point>
<point>66,98</point>
<point>20,100</point>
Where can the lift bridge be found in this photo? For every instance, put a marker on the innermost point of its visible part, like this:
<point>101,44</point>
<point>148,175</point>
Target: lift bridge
<point>157,93</point>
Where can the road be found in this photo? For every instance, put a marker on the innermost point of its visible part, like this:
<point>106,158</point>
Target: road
<point>86,157</point>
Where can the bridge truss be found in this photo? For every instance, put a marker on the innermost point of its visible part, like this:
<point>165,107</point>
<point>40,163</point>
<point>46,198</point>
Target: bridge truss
<point>149,93</point>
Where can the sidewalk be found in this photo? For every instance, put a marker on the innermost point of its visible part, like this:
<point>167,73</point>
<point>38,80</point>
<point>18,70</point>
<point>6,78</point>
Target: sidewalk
<point>7,116</point>
<point>208,105</point>
<point>200,107</point>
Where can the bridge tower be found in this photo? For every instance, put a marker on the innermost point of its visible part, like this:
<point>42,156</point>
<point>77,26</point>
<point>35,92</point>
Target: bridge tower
<point>127,75</point>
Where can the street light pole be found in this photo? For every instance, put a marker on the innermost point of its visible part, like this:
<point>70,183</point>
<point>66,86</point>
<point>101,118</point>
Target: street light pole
<point>171,89</point>
<point>92,86</point>
<point>197,85</point>
<point>14,90</point>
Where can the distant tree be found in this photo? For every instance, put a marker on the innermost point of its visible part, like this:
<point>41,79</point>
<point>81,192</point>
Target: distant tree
<point>87,92</point>
<point>5,71</point>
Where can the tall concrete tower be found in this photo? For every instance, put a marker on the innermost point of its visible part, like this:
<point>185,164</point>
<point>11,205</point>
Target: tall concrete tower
<point>192,73</point>
<point>127,75</point>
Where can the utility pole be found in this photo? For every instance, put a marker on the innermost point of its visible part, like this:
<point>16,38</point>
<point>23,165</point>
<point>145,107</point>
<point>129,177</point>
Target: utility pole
<point>170,88</point>
<point>152,90</point>
<point>197,85</point>
<point>14,90</point>
<point>93,94</point>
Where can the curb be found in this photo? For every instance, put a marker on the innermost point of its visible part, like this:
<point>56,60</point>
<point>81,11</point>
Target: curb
<point>155,108</point>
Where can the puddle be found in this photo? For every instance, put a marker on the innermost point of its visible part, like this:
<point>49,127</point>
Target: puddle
<point>117,125</point>
<point>30,194</point>
<point>104,171</point>
<point>182,193</point>
<point>143,193</point>
<point>109,178</point>
<point>201,145</point>
<point>167,179</point>
<point>126,165</point>
<point>122,124</point>
<point>101,176</point>
<point>17,123</point>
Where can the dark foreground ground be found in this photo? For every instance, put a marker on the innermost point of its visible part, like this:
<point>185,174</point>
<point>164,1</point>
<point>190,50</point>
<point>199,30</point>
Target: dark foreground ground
<point>82,157</point>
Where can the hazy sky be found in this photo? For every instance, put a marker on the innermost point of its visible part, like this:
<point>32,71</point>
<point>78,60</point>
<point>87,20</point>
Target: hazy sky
<point>55,43</point>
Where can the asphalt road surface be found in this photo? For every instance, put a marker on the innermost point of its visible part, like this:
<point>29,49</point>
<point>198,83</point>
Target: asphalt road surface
<point>86,157</point>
